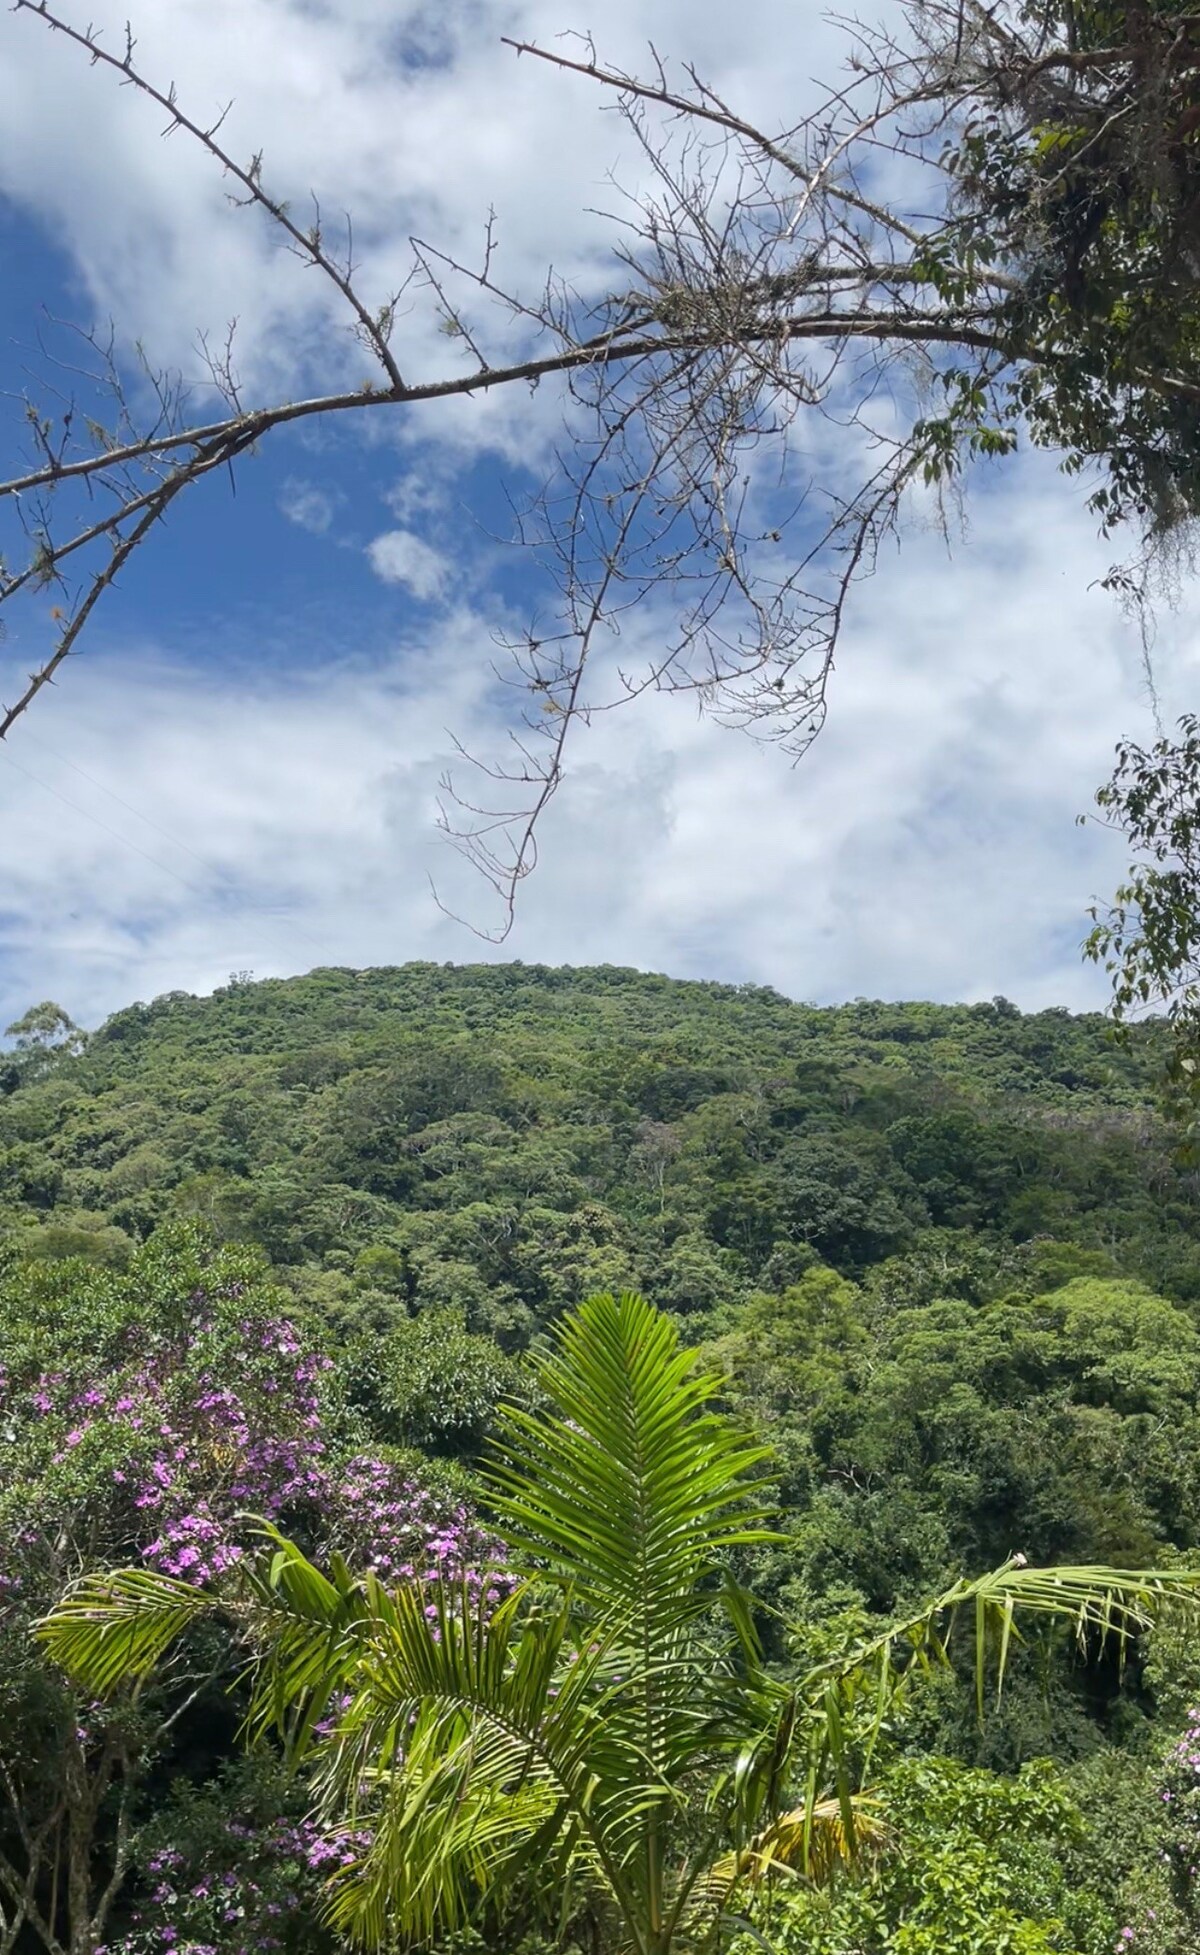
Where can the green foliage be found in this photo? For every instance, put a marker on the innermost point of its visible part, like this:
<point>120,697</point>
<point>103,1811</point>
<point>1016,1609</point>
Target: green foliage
<point>141,1412</point>
<point>702,1142</point>
<point>945,1257</point>
<point>976,1865</point>
<point>46,1028</point>
<point>1140,1847</point>
<point>520,1734</point>
<point>608,1727</point>
<point>955,1433</point>
<point>1076,169</point>
<point>1148,940</point>
<point>234,1863</point>
<point>429,1382</point>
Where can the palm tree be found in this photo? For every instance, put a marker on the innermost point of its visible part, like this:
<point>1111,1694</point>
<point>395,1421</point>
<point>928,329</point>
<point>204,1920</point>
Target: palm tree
<point>607,1732</point>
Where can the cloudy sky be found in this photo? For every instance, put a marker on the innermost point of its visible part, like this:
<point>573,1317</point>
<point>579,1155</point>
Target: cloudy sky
<point>241,769</point>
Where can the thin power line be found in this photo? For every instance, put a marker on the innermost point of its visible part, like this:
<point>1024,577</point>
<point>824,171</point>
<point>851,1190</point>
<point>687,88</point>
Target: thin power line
<point>114,832</point>
<point>117,836</point>
<point>155,828</point>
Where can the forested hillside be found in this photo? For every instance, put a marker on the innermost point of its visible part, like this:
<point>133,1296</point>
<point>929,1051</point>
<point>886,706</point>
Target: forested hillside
<point>502,1138</point>
<point>287,1248</point>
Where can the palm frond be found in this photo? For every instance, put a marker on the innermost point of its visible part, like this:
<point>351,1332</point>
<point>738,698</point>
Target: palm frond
<point>307,1629</point>
<point>637,1486</point>
<point>1094,1601</point>
<point>474,1748</point>
<point>842,1707</point>
<point>809,1842</point>
<point>116,1628</point>
<point>445,1828</point>
<point>824,1731</point>
<point>628,1496</point>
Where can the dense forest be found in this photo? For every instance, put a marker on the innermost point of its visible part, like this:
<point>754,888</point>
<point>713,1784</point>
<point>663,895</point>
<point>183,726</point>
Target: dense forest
<point>285,1250</point>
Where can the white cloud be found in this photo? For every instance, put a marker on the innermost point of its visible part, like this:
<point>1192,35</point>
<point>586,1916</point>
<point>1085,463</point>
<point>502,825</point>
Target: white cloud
<point>307,506</point>
<point>423,493</point>
<point>926,846</point>
<point>340,109</point>
<point>400,557</point>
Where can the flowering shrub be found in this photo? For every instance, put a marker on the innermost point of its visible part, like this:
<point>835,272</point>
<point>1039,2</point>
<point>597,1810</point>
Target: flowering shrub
<point>155,1435</point>
<point>145,1416</point>
<point>1162,1899</point>
<point>233,1866</point>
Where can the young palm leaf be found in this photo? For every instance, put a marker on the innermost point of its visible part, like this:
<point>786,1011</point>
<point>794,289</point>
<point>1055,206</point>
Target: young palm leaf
<point>116,1628</point>
<point>636,1489</point>
<point>629,1497</point>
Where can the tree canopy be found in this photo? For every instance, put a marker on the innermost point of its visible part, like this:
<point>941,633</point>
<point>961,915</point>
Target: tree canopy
<point>609,1728</point>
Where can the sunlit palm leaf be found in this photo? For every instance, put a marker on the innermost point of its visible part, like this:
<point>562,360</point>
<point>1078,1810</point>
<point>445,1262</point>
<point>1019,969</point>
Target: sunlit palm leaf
<point>638,1485</point>
<point>808,1842</point>
<point>460,1804</point>
<point>1094,1601</point>
<point>116,1628</point>
<point>630,1497</point>
<point>471,1749</point>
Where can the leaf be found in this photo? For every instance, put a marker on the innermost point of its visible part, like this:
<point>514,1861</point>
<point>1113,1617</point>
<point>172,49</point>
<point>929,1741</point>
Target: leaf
<point>878,1673</point>
<point>111,1629</point>
<point>307,1630</point>
<point>638,1486</point>
<point>475,1748</point>
<point>811,1842</point>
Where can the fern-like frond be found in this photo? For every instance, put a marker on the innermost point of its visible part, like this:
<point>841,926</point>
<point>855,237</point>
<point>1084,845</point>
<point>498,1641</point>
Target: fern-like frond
<point>475,1749</point>
<point>628,1495</point>
<point>638,1486</point>
<point>116,1628</point>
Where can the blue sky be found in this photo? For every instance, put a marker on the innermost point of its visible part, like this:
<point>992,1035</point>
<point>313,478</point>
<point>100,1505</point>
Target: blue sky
<point>240,770</point>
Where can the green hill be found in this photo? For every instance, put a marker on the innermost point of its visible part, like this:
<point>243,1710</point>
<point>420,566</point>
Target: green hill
<point>503,1138</point>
